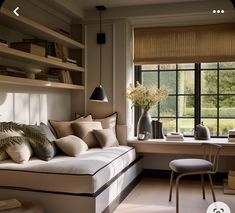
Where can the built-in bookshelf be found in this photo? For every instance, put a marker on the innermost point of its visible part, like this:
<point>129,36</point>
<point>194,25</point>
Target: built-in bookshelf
<point>34,29</point>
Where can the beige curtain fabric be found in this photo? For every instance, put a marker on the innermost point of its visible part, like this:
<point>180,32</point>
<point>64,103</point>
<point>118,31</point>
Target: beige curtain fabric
<point>207,43</point>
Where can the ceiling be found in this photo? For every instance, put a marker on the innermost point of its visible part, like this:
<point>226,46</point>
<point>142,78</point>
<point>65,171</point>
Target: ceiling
<point>89,4</point>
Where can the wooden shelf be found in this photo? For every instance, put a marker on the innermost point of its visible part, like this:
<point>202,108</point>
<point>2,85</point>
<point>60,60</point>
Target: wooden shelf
<point>37,60</point>
<point>33,28</point>
<point>38,83</point>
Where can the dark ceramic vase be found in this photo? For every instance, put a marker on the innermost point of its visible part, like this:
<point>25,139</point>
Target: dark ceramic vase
<point>144,126</point>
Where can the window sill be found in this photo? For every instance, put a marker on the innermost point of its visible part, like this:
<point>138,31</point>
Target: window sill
<point>188,146</point>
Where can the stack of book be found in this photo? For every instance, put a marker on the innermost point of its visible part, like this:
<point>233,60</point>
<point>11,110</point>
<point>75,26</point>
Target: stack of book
<point>3,43</point>
<point>48,77</point>
<point>175,136</point>
<point>231,135</point>
<point>12,71</point>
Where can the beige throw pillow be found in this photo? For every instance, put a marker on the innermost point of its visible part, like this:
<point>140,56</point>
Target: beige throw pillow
<point>71,145</point>
<point>63,128</point>
<point>109,122</point>
<point>7,134</point>
<point>106,137</point>
<point>20,153</point>
<point>84,130</point>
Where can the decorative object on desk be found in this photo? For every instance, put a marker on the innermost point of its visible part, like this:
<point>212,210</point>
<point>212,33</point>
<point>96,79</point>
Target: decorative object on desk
<point>157,129</point>
<point>30,72</point>
<point>146,98</point>
<point>99,94</point>
<point>202,132</point>
<point>175,136</point>
<point>231,135</point>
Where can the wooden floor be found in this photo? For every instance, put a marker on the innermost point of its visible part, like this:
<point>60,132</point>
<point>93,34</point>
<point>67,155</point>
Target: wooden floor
<point>151,196</point>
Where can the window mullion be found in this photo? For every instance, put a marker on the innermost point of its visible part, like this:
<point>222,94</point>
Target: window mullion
<point>197,100</point>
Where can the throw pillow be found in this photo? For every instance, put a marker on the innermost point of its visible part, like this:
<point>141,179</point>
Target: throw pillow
<point>45,130</point>
<point>84,130</point>
<point>63,128</point>
<point>71,145</point>
<point>6,134</point>
<point>109,122</point>
<point>44,151</point>
<point>20,153</point>
<point>106,137</point>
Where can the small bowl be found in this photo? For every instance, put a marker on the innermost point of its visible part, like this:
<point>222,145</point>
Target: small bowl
<point>30,72</point>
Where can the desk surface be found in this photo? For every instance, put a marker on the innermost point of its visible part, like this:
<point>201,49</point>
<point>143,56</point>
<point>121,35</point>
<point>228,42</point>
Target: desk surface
<point>188,146</point>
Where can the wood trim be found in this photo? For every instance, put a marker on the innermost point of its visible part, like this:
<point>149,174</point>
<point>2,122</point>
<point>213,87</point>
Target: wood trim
<point>38,83</point>
<point>31,27</point>
<point>188,148</point>
<point>37,60</point>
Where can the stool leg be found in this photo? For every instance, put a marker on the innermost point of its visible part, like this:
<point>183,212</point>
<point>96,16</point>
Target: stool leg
<point>171,185</point>
<point>177,193</point>
<point>203,187</point>
<point>212,187</point>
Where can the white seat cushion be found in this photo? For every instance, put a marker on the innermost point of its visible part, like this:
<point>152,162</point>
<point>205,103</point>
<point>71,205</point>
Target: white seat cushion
<point>83,174</point>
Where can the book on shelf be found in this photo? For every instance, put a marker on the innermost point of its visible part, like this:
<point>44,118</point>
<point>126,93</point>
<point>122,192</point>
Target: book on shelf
<point>69,60</point>
<point>12,71</point>
<point>65,77</point>
<point>54,58</point>
<point>48,77</point>
<point>29,48</point>
<point>63,32</point>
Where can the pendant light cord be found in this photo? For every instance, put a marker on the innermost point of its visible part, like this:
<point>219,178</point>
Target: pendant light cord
<point>100,52</point>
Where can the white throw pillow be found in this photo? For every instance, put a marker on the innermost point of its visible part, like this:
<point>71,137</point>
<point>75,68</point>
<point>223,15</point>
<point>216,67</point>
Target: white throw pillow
<point>71,145</point>
<point>20,153</point>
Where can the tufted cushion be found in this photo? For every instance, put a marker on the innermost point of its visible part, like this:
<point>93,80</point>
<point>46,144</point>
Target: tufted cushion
<point>190,165</point>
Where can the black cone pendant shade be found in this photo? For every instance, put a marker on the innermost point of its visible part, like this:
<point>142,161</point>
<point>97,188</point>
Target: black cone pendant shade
<point>99,94</point>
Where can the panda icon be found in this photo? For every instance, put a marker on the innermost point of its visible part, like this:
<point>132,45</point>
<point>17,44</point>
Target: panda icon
<point>218,207</point>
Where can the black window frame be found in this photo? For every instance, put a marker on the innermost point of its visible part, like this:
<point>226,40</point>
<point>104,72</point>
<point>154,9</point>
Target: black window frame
<point>197,95</point>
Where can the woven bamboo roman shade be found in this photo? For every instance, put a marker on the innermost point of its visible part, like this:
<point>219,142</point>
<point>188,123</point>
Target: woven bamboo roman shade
<point>207,43</point>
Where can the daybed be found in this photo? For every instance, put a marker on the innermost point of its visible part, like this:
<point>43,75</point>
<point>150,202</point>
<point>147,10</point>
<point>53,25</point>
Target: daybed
<point>88,183</point>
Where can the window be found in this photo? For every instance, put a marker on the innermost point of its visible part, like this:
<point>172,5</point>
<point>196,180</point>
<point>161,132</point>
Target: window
<point>198,93</point>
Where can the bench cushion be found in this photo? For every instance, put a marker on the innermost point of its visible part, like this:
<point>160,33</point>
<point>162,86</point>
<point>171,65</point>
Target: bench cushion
<point>83,174</point>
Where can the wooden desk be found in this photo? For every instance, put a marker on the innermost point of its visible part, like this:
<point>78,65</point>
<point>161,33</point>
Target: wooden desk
<point>188,146</point>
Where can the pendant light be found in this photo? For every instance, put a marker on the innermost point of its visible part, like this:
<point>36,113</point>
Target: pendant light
<point>99,94</point>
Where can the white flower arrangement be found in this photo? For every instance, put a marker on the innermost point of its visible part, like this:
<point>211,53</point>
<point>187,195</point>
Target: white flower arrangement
<point>146,97</point>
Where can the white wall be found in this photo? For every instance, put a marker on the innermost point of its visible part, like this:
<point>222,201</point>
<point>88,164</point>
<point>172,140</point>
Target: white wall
<point>32,105</point>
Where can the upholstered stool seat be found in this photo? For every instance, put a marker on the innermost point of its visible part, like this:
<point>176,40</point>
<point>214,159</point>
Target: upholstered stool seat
<point>190,165</point>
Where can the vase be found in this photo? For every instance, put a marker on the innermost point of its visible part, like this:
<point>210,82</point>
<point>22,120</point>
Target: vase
<point>144,126</point>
